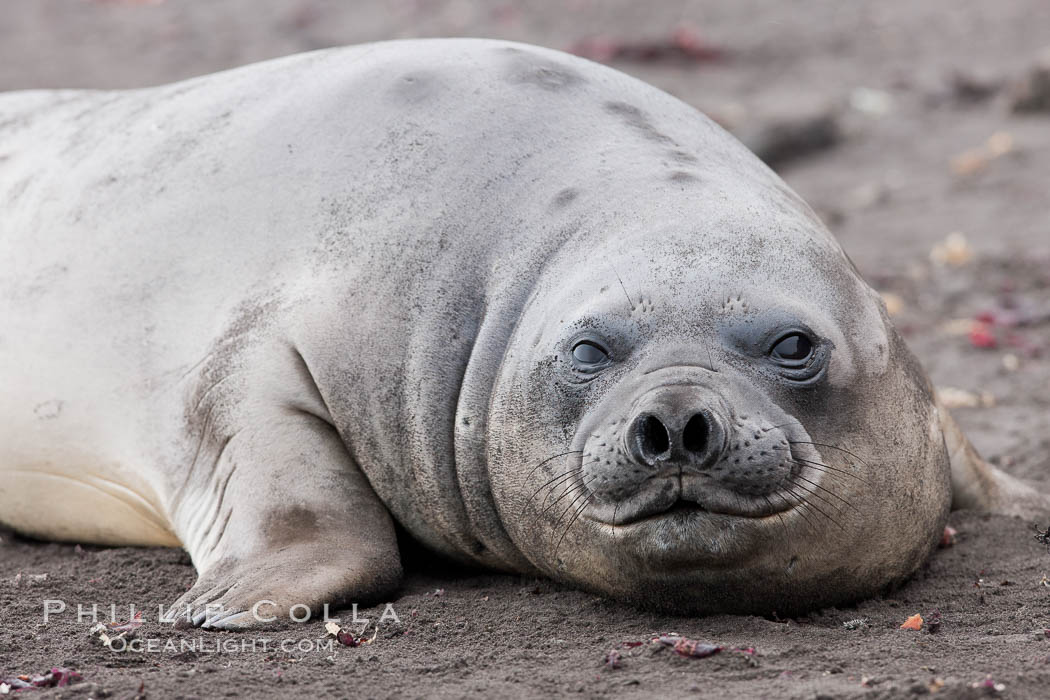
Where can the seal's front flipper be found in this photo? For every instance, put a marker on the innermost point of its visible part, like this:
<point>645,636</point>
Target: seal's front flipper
<point>978,485</point>
<point>283,522</point>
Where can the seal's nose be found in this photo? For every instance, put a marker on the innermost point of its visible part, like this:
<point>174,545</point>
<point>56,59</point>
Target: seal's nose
<point>696,434</point>
<point>651,442</point>
<point>672,427</point>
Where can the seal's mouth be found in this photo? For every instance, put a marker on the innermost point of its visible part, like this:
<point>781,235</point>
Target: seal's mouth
<point>681,497</point>
<point>684,507</point>
<point>681,510</point>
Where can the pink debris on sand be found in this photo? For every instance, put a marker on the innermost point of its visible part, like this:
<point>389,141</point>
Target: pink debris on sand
<point>983,336</point>
<point>346,637</point>
<point>57,677</point>
<point>129,626</point>
<point>683,45</point>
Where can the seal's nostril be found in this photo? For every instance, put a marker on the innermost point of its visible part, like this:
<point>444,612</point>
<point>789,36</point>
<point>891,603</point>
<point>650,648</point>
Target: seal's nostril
<point>696,434</point>
<point>653,438</point>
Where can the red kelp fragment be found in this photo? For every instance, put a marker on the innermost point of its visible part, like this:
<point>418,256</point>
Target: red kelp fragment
<point>57,677</point>
<point>346,637</point>
<point>683,45</point>
<point>982,336</point>
<point>989,686</point>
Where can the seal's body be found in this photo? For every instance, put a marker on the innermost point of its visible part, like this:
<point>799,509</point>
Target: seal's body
<point>544,315</point>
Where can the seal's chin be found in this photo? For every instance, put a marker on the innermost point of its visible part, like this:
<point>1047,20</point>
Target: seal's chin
<point>684,497</point>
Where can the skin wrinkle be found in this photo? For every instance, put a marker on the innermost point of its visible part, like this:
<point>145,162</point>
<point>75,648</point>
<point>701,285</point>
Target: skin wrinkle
<point>483,371</point>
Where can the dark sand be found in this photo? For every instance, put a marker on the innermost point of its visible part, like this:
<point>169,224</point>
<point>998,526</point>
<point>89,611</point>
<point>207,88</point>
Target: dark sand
<point>889,192</point>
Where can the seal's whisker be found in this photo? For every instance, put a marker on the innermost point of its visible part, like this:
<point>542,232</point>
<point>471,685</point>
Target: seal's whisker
<point>816,465</point>
<point>581,488</point>
<point>566,492</point>
<point>552,485</point>
<point>802,514</point>
<point>809,503</point>
<point>710,357</point>
<point>829,470</point>
<point>568,489</point>
<point>828,491</point>
<point>811,492</point>
<point>830,447</point>
<point>631,303</point>
<point>779,515</point>
<point>821,465</point>
<point>818,444</point>
<point>822,468</point>
<point>573,520</point>
<point>572,507</point>
<point>803,505</point>
<point>814,506</point>
<point>567,483</point>
<point>555,482</point>
<point>550,459</point>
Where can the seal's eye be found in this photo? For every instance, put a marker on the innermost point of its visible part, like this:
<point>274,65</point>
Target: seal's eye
<point>793,349</point>
<point>589,354</point>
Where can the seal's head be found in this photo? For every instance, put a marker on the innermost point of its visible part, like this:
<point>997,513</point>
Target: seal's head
<point>714,414</point>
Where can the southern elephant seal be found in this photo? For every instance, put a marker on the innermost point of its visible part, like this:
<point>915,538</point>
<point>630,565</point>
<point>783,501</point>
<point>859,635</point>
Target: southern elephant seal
<point>543,315</point>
